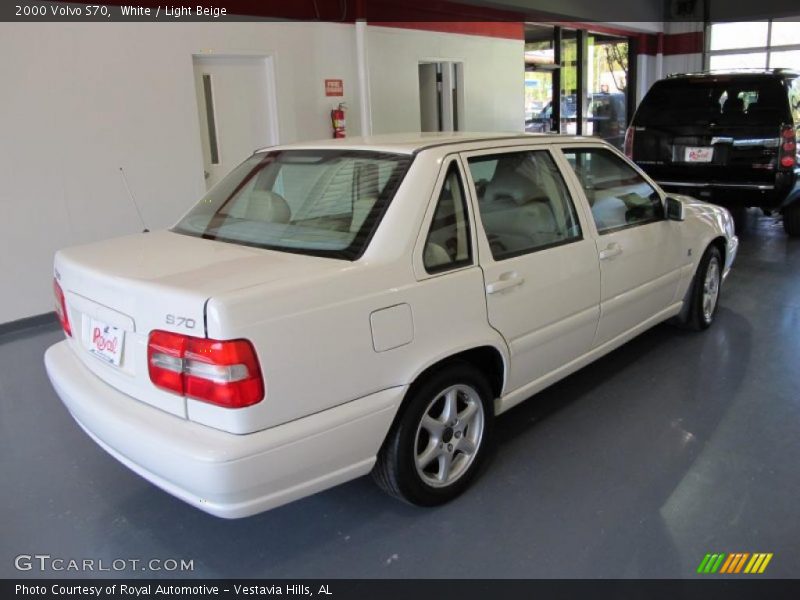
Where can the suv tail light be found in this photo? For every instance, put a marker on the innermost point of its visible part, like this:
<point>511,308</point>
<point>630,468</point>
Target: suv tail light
<point>61,308</point>
<point>787,157</point>
<point>628,147</point>
<point>225,373</point>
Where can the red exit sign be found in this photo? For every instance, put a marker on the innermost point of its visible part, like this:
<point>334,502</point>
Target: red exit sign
<point>334,87</point>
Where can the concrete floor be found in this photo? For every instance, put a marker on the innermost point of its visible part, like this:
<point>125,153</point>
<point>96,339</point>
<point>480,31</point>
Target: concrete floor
<point>676,445</point>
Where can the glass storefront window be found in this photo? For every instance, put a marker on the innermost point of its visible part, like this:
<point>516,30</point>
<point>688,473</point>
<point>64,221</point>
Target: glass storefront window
<point>538,94</point>
<point>607,81</point>
<point>588,71</point>
<point>569,82</point>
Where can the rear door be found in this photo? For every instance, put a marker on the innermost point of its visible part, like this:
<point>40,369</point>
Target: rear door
<point>639,251</point>
<point>723,129</point>
<point>540,268</point>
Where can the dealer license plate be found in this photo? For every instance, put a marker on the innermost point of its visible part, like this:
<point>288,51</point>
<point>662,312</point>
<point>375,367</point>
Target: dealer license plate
<point>105,342</point>
<point>699,154</point>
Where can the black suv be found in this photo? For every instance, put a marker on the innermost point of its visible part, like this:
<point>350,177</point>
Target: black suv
<point>726,137</point>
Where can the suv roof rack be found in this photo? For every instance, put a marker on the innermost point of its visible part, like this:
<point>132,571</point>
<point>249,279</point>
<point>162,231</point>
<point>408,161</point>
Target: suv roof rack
<point>743,71</point>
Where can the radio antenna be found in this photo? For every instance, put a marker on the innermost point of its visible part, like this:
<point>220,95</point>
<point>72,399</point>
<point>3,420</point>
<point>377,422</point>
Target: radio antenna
<point>133,200</point>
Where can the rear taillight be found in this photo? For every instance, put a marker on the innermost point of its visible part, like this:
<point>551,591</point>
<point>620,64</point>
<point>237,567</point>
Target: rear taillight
<point>225,373</point>
<point>628,147</point>
<point>61,308</point>
<point>787,157</point>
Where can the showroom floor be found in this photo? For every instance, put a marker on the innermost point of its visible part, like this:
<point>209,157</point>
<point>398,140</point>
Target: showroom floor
<point>676,445</point>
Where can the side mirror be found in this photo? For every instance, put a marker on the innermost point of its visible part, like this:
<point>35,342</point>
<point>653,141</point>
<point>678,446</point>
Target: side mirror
<point>674,209</point>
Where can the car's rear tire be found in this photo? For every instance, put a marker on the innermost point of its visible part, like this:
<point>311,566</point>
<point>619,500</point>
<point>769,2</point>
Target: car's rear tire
<point>704,296</point>
<point>441,438</point>
<point>791,219</point>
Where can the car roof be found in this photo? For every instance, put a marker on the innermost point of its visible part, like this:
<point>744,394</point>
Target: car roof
<point>411,143</point>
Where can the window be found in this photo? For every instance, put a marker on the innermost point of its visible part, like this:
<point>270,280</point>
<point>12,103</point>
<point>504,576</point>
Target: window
<point>747,34</point>
<point>618,195</point>
<point>449,243</point>
<point>750,60</point>
<point>794,99</point>
<point>322,202</point>
<point>754,44</point>
<point>786,59</point>
<point>524,203</point>
<point>700,101</point>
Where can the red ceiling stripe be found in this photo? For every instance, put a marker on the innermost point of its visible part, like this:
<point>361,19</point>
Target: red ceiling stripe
<point>495,29</point>
<point>669,45</point>
<point>683,43</point>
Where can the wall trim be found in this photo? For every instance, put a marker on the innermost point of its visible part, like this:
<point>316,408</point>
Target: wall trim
<point>672,44</point>
<point>506,30</point>
<point>49,318</point>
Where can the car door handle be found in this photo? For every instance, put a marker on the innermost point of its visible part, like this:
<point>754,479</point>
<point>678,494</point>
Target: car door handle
<point>612,251</point>
<point>506,281</point>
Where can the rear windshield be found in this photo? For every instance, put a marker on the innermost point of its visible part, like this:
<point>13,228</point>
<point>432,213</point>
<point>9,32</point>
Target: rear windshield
<point>320,202</point>
<point>723,99</point>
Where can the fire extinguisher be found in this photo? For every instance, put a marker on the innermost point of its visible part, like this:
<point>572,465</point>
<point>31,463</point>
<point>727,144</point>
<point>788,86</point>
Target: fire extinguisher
<point>338,121</point>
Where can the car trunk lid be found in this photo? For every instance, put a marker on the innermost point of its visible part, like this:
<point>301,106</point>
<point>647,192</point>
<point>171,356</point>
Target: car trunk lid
<point>129,286</point>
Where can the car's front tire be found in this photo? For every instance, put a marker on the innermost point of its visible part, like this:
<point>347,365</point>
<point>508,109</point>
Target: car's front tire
<point>440,440</point>
<point>704,297</point>
<point>791,219</point>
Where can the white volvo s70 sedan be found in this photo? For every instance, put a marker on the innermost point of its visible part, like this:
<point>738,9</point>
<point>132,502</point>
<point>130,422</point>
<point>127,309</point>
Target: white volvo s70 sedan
<point>346,306</point>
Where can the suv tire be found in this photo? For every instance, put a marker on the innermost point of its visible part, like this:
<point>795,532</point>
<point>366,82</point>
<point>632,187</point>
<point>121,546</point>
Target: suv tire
<point>791,219</point>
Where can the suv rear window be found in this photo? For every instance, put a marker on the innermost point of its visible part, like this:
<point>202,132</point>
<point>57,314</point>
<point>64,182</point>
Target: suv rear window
<point>723,99</point>
<point>320,202</point>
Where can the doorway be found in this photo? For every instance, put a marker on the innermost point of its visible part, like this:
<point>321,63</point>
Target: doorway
<point>236,108</point>
<point>441,96</point>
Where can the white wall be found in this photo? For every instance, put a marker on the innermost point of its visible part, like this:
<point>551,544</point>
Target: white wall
<point>493,78</point>
<point>81,100</point>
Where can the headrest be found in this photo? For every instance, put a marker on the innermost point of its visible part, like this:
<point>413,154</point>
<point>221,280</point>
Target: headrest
<point>733,105</point>
<point>268,206</point>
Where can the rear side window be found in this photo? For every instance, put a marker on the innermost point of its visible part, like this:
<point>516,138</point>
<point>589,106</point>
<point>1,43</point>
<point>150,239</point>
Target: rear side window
<point>524,203</point>
<point>449,243</point>
<point>794,100</point>
<point>702,100</point>
<point>618,195</point>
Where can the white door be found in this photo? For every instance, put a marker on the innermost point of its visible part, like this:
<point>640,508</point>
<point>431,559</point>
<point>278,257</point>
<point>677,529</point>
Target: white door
<point>540,267</point>
<point>236,110</point>
<point>640,252</point>
<point>428,97</point>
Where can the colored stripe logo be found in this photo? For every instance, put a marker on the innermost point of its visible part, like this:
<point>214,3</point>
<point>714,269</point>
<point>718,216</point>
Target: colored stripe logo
<point>736,562</point>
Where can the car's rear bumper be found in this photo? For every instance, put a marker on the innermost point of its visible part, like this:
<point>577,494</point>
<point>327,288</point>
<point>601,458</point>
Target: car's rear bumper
<point>732,194</point>
<point>225,474</point>
<point>752,187</point>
